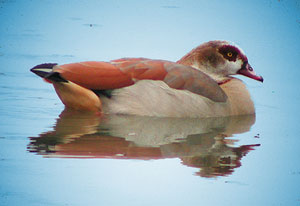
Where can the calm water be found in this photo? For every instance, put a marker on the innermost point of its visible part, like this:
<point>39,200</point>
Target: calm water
<point>49,156</point>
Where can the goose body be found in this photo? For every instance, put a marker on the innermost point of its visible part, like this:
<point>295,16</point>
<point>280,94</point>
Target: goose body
<point>198,85</point>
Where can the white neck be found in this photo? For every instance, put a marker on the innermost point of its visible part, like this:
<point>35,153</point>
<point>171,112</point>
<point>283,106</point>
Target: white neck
<point>218,77</point>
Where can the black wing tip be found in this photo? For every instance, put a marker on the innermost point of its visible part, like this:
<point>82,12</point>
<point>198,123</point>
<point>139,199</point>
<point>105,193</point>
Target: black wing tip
<point>46,71</point>
<point>43,70</point>
<point>45,66</point>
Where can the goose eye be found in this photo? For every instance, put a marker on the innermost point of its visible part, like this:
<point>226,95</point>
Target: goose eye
<point>229,54</point>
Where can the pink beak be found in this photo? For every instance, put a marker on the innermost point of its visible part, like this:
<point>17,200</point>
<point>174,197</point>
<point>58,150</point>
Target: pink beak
<point>248,71</point>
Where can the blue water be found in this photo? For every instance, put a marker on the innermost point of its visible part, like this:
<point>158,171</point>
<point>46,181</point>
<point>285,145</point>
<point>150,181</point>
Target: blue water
<point>49,158</point>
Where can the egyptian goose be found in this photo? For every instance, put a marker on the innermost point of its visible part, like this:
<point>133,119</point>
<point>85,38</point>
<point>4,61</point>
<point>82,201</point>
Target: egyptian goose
<point>198,85</point>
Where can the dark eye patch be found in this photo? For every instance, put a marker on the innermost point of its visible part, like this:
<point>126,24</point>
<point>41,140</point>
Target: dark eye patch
<point>229,52</point>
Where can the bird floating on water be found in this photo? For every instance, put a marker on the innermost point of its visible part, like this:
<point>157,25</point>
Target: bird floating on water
<point>200,84</point>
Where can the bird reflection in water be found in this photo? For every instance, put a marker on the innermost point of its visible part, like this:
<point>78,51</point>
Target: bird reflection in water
<point>201,143</point>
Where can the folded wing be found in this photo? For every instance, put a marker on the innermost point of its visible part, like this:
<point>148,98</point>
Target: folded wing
<point>125,72</point>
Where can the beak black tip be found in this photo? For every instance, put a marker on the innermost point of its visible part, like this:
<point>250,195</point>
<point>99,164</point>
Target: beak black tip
<point>261,79</point>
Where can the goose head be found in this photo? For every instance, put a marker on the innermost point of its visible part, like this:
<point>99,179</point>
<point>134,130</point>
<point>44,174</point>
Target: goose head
<point>220,60</point>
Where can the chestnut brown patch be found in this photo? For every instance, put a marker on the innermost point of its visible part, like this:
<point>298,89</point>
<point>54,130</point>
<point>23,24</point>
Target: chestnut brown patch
<point>230,52</point>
